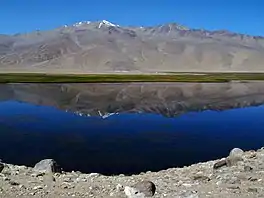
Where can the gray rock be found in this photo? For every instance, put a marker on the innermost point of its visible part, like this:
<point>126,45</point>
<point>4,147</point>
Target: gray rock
<point>13,183</point>
<point>234,157</point>
<point>253,179</point>
<point>119,187</point>
<point>39,174</point>
<point>2,166</point>
<point>47,166</point>
<point>233,180</point>
<point>133,193</point>
<point>248,168</point>
<point>252,189</point>
<point>5,179</point>
<point>37,188</point>
<point>148,188</point>
<point>219,164</point>
<point>201,178</point>
<point>236,153</point>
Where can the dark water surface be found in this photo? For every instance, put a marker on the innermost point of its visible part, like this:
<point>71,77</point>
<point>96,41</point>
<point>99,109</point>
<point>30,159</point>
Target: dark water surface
<point>128,128</point>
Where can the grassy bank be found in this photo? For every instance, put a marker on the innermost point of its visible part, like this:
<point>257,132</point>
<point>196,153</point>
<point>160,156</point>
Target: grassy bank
<point>104,78</point>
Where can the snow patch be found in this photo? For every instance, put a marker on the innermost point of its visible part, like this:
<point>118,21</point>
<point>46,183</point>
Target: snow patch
<point>107,23</point>
<point>101,115</point>
<point>106,115</point>
<point>81,23</point>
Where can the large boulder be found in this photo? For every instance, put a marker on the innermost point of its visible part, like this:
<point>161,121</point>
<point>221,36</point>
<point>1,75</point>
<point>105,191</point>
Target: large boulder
<point>47,166</point>
<point>236,152</point>
<point>234,157</point>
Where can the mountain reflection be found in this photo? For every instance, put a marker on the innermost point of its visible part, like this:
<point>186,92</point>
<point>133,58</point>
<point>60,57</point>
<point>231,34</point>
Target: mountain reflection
<point>167,99</point>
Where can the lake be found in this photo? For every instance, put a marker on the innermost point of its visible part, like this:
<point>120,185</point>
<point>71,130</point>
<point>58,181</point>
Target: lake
<point>128,128</point>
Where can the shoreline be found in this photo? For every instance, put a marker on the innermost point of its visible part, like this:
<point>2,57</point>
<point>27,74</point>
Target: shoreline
<point>126,78</point>
<point>241,174</point>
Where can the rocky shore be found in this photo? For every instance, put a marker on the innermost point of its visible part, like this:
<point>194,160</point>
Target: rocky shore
<point>241,174</point>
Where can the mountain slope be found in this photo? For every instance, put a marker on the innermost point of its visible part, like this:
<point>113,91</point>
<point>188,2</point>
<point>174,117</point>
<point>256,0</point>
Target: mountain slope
<point>105,47</point>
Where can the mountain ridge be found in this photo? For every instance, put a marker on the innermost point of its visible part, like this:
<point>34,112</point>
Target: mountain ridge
<point>102,47</point>
<point>77,23</point>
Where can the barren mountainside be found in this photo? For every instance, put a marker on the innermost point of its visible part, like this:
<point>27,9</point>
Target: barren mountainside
<point>102,47</point>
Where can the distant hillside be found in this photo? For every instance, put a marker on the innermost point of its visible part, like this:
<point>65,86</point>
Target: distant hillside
<point>105,47</point>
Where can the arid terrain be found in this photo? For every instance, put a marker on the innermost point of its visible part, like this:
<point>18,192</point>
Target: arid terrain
<point>240,175</point>
<point>103,47</point>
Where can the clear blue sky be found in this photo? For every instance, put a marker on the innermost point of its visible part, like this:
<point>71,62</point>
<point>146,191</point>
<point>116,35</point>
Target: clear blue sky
<point>244,16</point>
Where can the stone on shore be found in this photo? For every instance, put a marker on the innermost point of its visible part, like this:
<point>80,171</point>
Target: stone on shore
<point>220,164</point>
<point>47,166</point>
<point>141,189</point>
<point>236,153</point>
<point>234,157</point>
<point>133,193</point>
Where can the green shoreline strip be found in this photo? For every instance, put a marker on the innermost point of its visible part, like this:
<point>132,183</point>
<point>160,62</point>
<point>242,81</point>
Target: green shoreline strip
<point>115,78</point>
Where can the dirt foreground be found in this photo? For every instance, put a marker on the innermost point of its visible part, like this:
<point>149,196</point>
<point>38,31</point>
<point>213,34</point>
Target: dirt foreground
<point>241,175</point>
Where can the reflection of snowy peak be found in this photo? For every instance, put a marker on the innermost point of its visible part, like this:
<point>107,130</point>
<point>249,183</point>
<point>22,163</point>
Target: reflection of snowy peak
<point>100,114</point>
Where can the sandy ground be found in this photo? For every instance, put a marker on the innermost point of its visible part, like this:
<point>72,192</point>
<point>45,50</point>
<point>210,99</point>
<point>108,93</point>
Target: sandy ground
<point>243,178</point>
<point>78,71</point>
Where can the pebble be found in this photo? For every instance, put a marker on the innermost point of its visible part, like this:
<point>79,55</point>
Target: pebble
<point>94,174</point>
<point>38,174</point>
<point>119,187</point>
<point>13,183</point>
<point>248,168</point>
<point>81,180</point>
<point>37,188</point>
<point>252,189</point>
<point>253,179</point>
<point>21,186</point>
<point>201,178</point>
<point>187,185</point>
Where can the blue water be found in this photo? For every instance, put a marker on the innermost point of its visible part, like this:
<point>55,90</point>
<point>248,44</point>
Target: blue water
<point>124,143</point>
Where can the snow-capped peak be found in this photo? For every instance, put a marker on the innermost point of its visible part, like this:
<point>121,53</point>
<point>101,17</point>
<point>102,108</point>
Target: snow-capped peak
<point>81,23</point>
<point>107,23</point>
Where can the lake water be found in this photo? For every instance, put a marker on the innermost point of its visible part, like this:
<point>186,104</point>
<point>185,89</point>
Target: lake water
<point>128,128</point>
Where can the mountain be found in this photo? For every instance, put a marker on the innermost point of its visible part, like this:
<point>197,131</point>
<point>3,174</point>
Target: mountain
<point>166,99</point>
<point>102,47</point>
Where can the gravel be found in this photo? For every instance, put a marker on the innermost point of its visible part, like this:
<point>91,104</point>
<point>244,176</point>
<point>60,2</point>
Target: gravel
<point>244,179</point>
